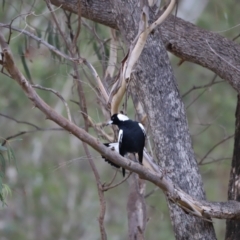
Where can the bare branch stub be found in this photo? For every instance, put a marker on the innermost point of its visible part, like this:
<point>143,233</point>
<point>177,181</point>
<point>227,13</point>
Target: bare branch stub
<point>57,94</point>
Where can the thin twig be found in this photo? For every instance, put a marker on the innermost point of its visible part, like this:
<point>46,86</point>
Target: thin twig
<point>18,121</point>
<point>195,99</point>
<point>92,30</point>
<point>212,148</point>
<point>151,192</point>
<point>57,23</point>
<point>200,87</point>
<point>57,94</point>
<point>78,60</point>
<point>106,188</point>
<point>235,38</point>
<point>214,161</point>
<point>74,42</point>
<point>99,130</point>
<point>40,40</point>
<point>114,176</point>
<point>30,131</point>
<point>97,78</point>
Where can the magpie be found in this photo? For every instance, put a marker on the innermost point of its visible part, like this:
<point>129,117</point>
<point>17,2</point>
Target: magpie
<point>131,137</point>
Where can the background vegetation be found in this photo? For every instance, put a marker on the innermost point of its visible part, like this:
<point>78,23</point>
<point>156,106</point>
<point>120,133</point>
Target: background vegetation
<point>53,191</point>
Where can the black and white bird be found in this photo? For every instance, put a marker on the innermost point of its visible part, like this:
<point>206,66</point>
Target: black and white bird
<point>131,137</point>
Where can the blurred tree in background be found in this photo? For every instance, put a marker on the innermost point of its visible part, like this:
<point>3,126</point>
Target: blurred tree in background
<point>53,189</point>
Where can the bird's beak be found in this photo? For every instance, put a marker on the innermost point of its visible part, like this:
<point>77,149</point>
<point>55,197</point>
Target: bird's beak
<point>109,123</point>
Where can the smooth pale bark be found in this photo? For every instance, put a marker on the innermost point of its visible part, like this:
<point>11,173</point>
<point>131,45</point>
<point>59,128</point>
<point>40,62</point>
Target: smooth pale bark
<point>233,226</point>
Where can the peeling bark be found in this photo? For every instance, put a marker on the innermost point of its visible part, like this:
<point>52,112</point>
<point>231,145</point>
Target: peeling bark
<point>233,226</point>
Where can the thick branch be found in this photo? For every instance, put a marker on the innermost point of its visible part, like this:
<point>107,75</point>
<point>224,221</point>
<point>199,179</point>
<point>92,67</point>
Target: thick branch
<point>233,227</point>
<point>182,38</point>
<point>97,10</point>
<point>203,47</point>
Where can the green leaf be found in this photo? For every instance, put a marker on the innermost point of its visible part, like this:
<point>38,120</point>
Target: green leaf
<point>9,156</point>
<point>21,53</point>
<point>13,157</point>
<point>16,139</point>
<point>50,37</point>
<point>49,28</point>
<point>39,34</point>
<point>1,185</point>
<point>3,4</point>
<point>57,45</point>
<point>96,50</point>
<point>57,42</point>
<point>6,190</point>
<point>107,50</point>
<point>3,162</point>
<point>2,148</point>
<point>25,42</point>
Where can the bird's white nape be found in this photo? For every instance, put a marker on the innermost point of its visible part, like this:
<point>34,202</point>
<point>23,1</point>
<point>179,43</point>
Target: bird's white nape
<point>122,117</point>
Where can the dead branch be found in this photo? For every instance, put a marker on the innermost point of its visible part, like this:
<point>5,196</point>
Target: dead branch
<point>58,95</point>
<point>29,131</point>
<point>18,121</point>
<point>212,148</point>
<point>106,188</point>
<point>40,40</point>
<point>200,87</point>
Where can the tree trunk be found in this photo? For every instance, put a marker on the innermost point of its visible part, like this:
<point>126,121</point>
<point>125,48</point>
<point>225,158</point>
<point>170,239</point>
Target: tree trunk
<point>136,207</point>
<point>233,226</point>
<point>166,114</point>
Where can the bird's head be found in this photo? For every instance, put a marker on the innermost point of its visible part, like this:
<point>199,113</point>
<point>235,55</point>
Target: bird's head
<point>117,119</point>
